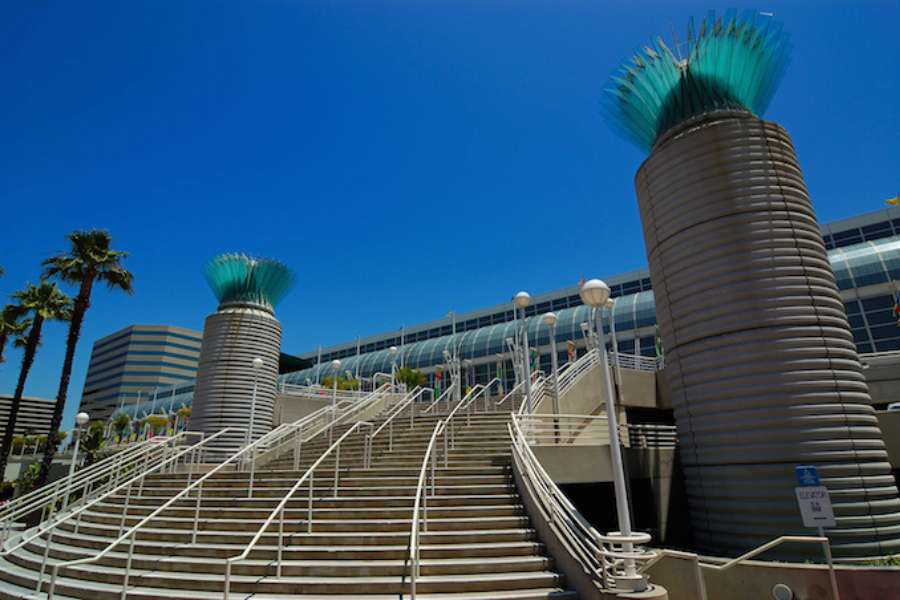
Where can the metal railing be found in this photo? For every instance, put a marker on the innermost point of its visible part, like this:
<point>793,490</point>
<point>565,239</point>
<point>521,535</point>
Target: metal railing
<point>87,482</point>
<point>294,389</point>
<point>408,402</point>
<point>444,428</point>
<point>132,533</point>
<point>292,436</point>
<point>600,555</point>
<point>785,539</point>
<point>637,362</point>
<point>278,511</point>
<point>191,454</point>
<point>589,430</point>
<point>421,503</point>
<point>445,396</point>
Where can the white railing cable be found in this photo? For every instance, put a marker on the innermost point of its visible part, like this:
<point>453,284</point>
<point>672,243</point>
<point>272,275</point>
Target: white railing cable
<point>278,511</point>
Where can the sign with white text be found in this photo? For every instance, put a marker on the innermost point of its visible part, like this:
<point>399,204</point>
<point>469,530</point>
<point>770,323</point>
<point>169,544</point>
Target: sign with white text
<point>815,506</point>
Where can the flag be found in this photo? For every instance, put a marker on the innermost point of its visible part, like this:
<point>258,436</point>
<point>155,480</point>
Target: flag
<point>895,201</point>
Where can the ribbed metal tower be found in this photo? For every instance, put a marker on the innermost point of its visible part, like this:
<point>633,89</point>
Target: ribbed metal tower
<point>242,329</point>
<point>759,356</point>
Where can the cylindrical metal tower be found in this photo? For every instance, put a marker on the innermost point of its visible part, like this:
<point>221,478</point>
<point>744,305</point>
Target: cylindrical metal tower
<point>759,356</point>
<point>231,391</point>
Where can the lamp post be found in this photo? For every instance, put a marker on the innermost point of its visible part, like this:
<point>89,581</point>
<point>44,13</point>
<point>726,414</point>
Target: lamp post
<point>336,369</point>
<point>610,305</point>
<point>81,419</point>
<point>550,321</point>
<point>393,352</point>
<point>470,379</point>
<point>522,300</point>
<point>257,365</point>
<point>595,293</point>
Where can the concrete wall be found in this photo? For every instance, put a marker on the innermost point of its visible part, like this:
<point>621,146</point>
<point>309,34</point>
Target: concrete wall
<point>586,396</point>
<point>289,407</point>
<point>883,377</point>
<point>754,580</point>
<point>890,427</point>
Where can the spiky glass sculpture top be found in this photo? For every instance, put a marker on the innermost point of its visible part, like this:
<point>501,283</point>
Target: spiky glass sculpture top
<point>243,279</point>
<point>728,63</point>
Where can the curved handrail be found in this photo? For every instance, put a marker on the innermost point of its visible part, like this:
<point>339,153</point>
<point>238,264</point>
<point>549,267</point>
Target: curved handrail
<point>421,501</point>
<point>596,552</point>
<point>279,510</point>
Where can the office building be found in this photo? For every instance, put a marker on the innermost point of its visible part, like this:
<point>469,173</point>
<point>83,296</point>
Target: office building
<point>134,362</point>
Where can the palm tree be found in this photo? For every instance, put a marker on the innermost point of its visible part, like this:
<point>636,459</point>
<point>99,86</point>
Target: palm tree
<point>11,325</point>
<point>45,302</point>
<point>89,259</point>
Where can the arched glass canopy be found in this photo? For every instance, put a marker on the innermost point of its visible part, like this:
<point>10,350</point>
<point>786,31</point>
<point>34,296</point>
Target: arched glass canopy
<point>854,266</point>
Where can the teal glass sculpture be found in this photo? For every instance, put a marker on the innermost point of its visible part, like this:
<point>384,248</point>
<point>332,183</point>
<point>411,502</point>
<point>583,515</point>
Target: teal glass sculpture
<point>243,279</point>
<point>729,62</point>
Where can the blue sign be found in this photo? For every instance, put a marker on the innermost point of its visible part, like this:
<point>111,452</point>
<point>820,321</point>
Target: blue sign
<point>807,475</point>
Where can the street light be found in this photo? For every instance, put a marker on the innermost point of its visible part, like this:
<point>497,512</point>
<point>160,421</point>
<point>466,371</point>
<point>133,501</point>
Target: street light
<point>393,352</point>
<point>81,419</point>
<point>550,321</point>
<point>595,293</point>
<point>257,365</point>
<point>522,300</point>
<point>470,379</point>
<point>336,368</point>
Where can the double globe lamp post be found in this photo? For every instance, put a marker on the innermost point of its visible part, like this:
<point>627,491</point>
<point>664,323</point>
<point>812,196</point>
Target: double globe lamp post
<point>81,419</point>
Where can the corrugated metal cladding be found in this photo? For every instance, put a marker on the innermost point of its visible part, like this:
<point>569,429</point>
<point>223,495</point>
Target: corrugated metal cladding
<point>224,388</point>
<point>762,366</point>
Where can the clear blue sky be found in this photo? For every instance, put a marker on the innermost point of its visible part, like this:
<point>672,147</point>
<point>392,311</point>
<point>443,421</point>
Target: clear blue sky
<point>405,158</point>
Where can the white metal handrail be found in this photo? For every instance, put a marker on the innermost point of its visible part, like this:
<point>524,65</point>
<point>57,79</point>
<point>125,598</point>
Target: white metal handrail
<point>319,391</point>
<point>85,480</point>
<point>279,509</point>
<point>49,525</point>
<point>590,430</point>
<point>599,555</point>
<point>409,401</point>
<point>131,534</point>
<point>421,501</point>
<point>538,390</point>
<point>444,396</point>
<point>325,420</point>
<point>785,539</point>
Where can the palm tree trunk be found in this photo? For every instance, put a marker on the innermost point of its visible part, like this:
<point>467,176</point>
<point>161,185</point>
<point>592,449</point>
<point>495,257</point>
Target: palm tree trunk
<point>82,303</point>
<point>31,344</point>
<point>2,346</point>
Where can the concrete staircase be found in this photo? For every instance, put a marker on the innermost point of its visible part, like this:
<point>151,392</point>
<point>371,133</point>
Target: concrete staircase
<point>479,543</point>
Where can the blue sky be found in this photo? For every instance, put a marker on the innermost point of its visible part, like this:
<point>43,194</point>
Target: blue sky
<point>405,158</point>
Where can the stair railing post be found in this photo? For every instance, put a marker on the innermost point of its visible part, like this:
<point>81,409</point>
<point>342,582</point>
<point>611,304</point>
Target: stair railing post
<point>446,452</point>
<point>227,586</point>
<point>127,575</point>
<point>40,577</point>
<point>125,509</point>
<point>390,435</point>
<point>309,504</point>
<point>252,473</point>
<point>432,471</point>
<point>280,542</point>
<point>337,466</point>
<point>197,512</point>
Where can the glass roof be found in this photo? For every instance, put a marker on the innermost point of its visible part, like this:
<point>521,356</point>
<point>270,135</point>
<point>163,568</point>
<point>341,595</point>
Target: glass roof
<point>854,266</point>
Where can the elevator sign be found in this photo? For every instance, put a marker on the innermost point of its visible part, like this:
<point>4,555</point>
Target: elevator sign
<point>813,499</point>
